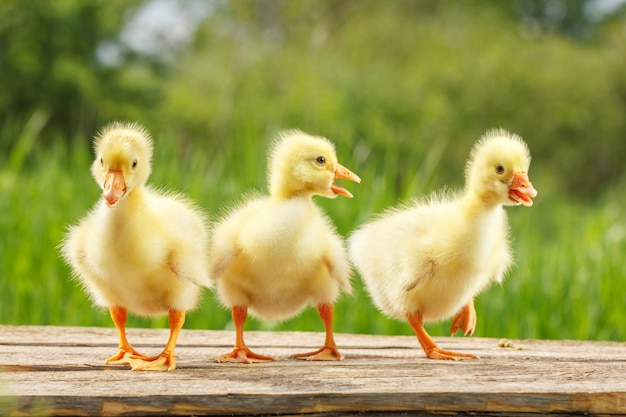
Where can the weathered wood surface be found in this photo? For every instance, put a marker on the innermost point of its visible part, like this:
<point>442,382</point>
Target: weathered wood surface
<point>60,371</point>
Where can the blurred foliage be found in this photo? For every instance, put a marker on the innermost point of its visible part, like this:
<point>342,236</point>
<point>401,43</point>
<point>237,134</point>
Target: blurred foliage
<point>427,73</point>
<point>424,72</point>
<point>403,88</point>
<point>48,66</point>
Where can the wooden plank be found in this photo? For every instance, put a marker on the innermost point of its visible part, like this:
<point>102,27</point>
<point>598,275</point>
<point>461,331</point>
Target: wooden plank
<point>60,371</point>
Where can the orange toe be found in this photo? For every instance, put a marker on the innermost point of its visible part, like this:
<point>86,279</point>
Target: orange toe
<point>244,355</point>
<point>436,353</point>
<point>123,357</point>
<point>325,353</point>
<point>162,362</point>
<point>465,320</point>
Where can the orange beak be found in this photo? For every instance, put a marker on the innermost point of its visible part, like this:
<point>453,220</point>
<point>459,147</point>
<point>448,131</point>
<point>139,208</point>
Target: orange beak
<point>114,187</point>
<point>342,172</point>
<point>521,190</point>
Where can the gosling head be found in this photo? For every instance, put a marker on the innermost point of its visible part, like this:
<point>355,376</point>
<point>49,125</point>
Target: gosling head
<point>123,157</point>
<point>301,164</point>
<point>497,169</point>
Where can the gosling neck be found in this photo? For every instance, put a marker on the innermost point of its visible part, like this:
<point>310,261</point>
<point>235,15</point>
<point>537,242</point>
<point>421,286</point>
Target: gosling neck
<point>477,203</point>
<point>280,192</point>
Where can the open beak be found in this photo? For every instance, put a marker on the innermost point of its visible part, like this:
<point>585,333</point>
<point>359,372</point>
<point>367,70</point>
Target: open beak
<point>342,172</point>
<point>114,187</point>
<point>521,190</point>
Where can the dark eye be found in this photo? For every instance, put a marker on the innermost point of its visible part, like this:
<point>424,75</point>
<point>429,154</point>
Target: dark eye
<point>134,164</point>
<point>101,162</point>
<point>321,160</point>
<point>499,169</point>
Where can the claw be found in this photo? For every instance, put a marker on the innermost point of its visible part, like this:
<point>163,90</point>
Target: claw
<point>465,320</point>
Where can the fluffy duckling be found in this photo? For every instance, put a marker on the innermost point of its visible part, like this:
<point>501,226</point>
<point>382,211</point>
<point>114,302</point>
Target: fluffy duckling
<point>138,249</point>
<point>277,253</point>
<point>426,261</point>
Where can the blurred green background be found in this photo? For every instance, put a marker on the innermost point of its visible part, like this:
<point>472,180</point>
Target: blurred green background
<point>404,88</point>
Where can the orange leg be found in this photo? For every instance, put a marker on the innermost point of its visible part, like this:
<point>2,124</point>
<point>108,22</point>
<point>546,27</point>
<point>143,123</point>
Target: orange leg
<point>329,351</point>
<point>125,350</point>
<point>429,346</point>
<point>465,320</point>
<point>165,361</point>
<point>241,353</point>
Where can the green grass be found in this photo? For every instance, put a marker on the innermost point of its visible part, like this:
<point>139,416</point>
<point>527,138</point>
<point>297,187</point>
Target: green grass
<point>567,282</point>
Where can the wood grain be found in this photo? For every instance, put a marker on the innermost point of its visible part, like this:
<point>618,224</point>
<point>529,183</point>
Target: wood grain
<point>60,371</point>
